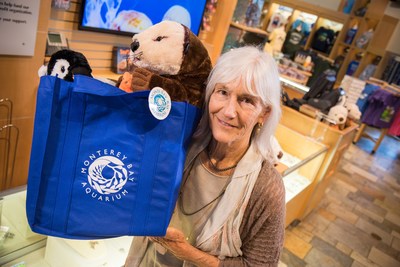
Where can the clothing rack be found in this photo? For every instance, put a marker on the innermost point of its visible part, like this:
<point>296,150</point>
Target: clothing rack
<point>9,135</point>
<point>393,89</point>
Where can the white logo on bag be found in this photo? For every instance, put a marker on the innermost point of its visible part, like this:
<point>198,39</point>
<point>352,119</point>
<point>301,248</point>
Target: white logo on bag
<point>159,103</point>
<point>107,175</point>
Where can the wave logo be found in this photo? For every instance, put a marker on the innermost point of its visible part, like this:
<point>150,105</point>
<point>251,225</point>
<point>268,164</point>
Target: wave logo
<point>106,175</point>
<point>159,103</point>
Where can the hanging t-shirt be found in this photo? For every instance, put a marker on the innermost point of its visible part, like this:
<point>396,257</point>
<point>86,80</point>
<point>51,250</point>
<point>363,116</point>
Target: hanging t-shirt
<point>362,101</point>
<point>395,126</point>
<point>381,109</point>
<point>292,42</point>
<point>323,38</point>
<point>276,20</point>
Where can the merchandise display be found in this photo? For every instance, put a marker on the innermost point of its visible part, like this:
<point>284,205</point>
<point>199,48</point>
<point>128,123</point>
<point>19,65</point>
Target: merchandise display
<point>364,39</point>
<point>293,41</point>
<point>391,73</point>
<point>353,65</point>
<point>276,20</point>
<point>370,69</point>
<point>323,39</point>
<point>351,33</point>
<point>381,109</point>
<point>353,88</point>
<point>253,13</point>
<point>276,40</point>
<point>362,101</point>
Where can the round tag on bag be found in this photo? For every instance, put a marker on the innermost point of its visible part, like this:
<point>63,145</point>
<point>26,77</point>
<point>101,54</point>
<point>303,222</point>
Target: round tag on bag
<point>159,103</point>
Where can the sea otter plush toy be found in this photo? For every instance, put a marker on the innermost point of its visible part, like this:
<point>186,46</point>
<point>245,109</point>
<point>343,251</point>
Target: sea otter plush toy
<point>170,56</point>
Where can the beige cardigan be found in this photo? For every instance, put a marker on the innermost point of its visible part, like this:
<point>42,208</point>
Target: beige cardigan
<point>263,226</point>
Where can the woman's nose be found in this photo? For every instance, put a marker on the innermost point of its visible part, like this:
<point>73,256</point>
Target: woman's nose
<point>230,109</point>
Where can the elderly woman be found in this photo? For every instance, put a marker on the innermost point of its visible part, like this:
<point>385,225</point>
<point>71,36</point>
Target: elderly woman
<point>231,207</point>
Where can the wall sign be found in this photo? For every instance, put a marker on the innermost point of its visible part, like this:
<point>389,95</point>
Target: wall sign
<point>18,26</point>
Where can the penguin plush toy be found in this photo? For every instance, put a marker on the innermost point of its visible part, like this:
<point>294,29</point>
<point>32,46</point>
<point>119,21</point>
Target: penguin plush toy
<point>65,64</point>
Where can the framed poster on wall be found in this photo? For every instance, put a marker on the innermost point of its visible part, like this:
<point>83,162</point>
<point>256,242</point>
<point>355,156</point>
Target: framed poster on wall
<point>18,26</point>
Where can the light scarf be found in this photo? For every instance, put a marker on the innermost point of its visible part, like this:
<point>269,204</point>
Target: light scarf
<point>220,235</point>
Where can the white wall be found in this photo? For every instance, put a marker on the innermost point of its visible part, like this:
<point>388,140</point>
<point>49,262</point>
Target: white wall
<point>330,4</point>
<point>394,43</point>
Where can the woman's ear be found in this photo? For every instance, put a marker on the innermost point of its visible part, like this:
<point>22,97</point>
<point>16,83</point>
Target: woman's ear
<point>264,115</point>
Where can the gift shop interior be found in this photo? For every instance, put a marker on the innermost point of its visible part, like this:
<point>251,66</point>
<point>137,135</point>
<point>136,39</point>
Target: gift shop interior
<point>339,65</point>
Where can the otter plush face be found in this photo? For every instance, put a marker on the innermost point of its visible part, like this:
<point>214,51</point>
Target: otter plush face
<point>160,48</point>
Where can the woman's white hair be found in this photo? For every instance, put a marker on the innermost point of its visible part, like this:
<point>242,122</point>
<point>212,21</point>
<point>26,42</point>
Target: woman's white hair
<point>256,71</point>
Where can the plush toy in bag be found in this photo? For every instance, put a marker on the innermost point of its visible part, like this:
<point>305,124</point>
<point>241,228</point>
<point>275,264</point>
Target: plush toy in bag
<point>65,64</point>
<point>170,56</point>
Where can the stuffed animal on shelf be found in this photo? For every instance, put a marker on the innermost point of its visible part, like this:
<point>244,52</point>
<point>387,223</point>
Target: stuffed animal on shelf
<point>338,113</point>
<point>354,112</point>
<point>65,64</point>
<point>170,56</point>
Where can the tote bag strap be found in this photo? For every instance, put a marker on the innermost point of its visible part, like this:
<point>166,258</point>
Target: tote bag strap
<point>145,186</point>
<point>72,137</point>
<point>48,94</point>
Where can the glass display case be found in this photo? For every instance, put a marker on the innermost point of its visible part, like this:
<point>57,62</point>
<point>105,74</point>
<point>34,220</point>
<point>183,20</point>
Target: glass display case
<point>302,159</point>
<point>19,245</point>
<point>16,237</point>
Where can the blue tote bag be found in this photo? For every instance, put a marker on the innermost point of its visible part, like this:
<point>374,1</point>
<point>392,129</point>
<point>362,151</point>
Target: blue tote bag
<point>101,164</point>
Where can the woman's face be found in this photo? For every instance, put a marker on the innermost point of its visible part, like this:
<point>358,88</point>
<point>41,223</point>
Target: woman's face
<point>233,113</point>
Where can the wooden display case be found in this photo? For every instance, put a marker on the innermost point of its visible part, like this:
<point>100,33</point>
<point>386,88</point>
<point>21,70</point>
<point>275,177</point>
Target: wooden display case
<point>337,141</point>
<point>301,161</point>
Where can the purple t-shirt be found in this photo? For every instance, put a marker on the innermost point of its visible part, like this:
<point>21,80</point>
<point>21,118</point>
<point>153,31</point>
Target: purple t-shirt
<point>381,109</point>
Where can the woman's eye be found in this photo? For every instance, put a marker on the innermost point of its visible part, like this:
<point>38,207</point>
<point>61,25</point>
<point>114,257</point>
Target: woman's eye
<point>247,100</point>
<point>159,38</point>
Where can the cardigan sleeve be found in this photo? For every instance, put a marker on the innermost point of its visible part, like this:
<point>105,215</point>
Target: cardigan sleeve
<point>263,226</point>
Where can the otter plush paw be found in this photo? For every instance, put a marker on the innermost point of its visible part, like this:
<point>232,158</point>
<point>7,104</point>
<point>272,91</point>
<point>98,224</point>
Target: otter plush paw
<point>141,79</point>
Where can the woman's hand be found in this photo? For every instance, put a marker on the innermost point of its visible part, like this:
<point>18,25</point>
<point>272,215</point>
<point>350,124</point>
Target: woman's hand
<point>174,241</point>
